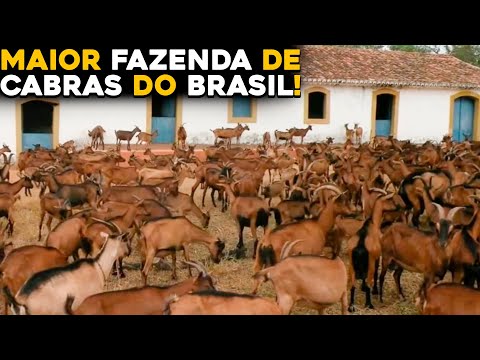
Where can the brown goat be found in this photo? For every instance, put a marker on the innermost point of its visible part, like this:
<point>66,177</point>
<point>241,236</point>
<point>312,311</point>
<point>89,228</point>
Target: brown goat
<point>166,236</point>
<point>7,201</point>
<point>124,135</point>
<point>229,133</point>
<point>267,140</point>
<point>144,137</point>
<point>182,136</point>
<point>300,132</point>
<point>68,237</point>
<point>358,134</point>
<point>97,137</point>
<point>210,302</point>
<point>413,250</point>
<point>149,300</point>
<point>449,299</point>
<point>316,280</point>
<point>52,206</point>
<point>21,263</point>
<point>249,211</point>
<point>312,231</point>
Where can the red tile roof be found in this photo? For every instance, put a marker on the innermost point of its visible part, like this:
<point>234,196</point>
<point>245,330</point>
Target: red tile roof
<point>365,67</point>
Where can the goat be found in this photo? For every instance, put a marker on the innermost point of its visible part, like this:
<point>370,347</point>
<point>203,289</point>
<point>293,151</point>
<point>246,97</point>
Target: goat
<point>249,211</point>
<point>283,135</point>
<point>97,137</point>
<point>401,244</point>
<point>5,170</point>
<point>69,236</point>
<point>358,134</point>
<point>229,133</point>
<point>14,188</point>
<point>7,201</point>
<point>276,189</point>
<point>300,132</point>
<point>46,292</point>
<point>317,280</point>
<point>267,140</point>
<point>211,302</point>
<point>52,206</point>
<point>124,135</point>
<point>364,250</point>
<point>182,204</point>
<point>21,263</point>
<point>312,231</point>
<point>149,300</point>
<point>448,299</point>
<point>166,236</point>
<point>182,136</point>
<point>290,210</point>
<point>348,133</point>
<point>144,137</point>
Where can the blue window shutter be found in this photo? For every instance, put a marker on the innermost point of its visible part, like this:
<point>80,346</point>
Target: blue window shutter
<point>242,107</point>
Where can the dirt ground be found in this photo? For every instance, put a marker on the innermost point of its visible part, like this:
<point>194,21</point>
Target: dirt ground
<point>231,274</point>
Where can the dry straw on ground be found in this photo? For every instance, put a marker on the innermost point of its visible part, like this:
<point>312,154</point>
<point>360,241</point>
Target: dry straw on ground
<point>231,274</point>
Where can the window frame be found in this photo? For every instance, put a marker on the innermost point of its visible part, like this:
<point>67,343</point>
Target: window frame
<point>249,120</point>
<point>326,111</point>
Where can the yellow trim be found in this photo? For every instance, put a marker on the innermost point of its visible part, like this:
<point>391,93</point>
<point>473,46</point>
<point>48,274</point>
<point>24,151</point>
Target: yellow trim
<point>476,113</point>
<point>178,115</point>
<point>55,122</point>
<point>307,92</point>
<point>148,126</point>
<point>252,119</point>
<point>394,126</point>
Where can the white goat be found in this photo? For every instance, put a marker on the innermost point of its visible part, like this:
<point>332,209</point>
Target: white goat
<point>46,292</point>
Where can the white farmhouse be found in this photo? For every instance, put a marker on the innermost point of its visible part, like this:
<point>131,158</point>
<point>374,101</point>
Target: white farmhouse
<point>408,95</point>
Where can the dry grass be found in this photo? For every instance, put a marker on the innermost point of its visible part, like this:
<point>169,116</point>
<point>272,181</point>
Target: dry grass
<point>232,275</point>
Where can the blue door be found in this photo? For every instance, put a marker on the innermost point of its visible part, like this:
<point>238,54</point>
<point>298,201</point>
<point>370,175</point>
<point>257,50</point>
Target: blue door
<point>164,119</point>
<point>30,140</point>
<point>384,114</point>
<point>463,118</point>
<point>37,124</point>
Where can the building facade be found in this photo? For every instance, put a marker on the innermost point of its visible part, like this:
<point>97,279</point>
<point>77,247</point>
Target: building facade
<point>407,95</point>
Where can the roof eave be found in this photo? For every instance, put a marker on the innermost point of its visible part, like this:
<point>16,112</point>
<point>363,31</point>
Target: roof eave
<point>387,83</point>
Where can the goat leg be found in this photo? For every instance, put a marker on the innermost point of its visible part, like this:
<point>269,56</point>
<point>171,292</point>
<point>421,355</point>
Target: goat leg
<point>375,278</point>
<point>187,258</point>
<point>397,275</point>
<point>351,308</point>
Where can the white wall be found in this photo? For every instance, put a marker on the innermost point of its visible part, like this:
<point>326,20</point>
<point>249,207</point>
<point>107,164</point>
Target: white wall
<point>424,114</point>
<point>347,105</point>
<point>7,120</point>
<point>77,116</point>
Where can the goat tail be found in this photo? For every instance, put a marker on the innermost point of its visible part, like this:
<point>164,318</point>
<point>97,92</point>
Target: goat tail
<point>16,307</point>
<point>68,304</point>
<point>277,214</point>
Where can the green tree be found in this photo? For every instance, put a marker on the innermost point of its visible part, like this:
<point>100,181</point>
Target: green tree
<point>411,48</point>
<point>467,53</point>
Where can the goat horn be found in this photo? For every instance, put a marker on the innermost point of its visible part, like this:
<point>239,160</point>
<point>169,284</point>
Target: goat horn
<point>288,247</point>
<point>453,211</point>
<point>475,166</point>
<point>441,210</point>
<point>381,191</point>
<point>387,196</point>
<point>110,224</point>
<point>330,187</point>
<point>201,269</point>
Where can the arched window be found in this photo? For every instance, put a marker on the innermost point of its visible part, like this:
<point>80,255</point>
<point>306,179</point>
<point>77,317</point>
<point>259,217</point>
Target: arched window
<point>316,106</point>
